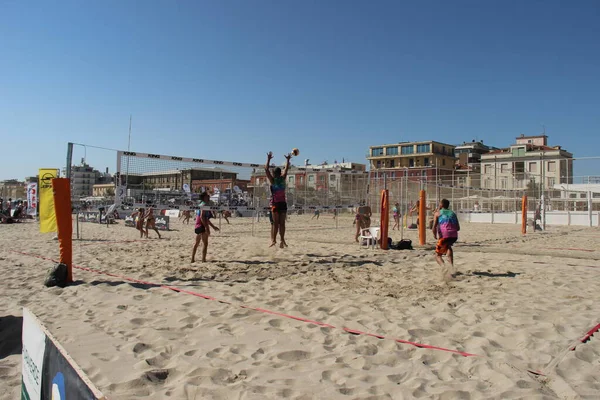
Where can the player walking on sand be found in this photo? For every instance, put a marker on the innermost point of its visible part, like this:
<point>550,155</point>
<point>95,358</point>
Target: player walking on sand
<point>445,227</point>
<point>138,216</point>
<point>151,222</point>
<point>202,227</point>
<point>396,213</point>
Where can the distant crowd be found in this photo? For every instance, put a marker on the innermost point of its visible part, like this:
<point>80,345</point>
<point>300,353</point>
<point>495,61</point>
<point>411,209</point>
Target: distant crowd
<point>12,211</point>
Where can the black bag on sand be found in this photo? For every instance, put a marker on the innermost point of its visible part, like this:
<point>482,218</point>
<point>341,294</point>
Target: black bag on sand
<point>57,276</point>
<point>404,244</point>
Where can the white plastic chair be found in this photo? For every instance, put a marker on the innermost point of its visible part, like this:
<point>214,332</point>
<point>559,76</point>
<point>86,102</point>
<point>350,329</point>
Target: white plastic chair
<point>369,236</point>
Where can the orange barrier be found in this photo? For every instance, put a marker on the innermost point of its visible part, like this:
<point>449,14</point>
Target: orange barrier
<point>385,219</point>
<point>524,215</point>
<point>422,217</point>
<point>62,208</point>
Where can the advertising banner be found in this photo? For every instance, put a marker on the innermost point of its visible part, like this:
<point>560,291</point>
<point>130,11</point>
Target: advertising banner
<point>172,213</point>
<point>162,222</point>
<point>32,199</point>
<point>120,195</point>
<point>48,371</point>
<point>46,200</point>
<point>34,345</point>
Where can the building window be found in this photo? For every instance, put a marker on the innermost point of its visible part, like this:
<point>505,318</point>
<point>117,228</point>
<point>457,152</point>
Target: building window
<point>290,179</point>
<point>444,161</point>
<point>573,195</point>
<point>551,166</point>
<point>391,151</point>
<point>332,178</point>
<point>583,195</point>
<point>301,180</point>
<point>551,182</point>
<point>377,152</point>
<point>532,167</point>
<point>257,181</point>
<point>596,195</point>
<point>423,148</point>
<point>392,163</point>
<point>426,161</point>
<point>311,178</point>
<point>408,149</point>
<point>411,162</point>
<point>503,183</point>
<point>487,169</point>
<point>378,164</point>
<point>504,168</point>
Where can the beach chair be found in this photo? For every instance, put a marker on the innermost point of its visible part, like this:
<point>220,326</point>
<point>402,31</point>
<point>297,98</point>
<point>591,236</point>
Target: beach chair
<point>369,237</point>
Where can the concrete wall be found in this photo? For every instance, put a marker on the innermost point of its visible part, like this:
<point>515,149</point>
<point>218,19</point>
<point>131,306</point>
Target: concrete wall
<point>575,218</point>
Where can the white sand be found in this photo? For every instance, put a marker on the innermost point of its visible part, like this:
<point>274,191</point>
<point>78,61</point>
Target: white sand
<point>518,305</point>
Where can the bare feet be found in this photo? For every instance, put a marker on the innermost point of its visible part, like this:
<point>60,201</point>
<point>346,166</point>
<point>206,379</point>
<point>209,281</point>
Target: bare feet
<point>283,244</point>
<point>273,244</point>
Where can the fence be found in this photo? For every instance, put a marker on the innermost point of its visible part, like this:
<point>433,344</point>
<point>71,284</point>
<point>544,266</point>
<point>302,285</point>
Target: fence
<point>490,192</point>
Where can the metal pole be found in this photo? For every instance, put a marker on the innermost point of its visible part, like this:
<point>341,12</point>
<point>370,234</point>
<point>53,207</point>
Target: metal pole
<point>128,157</point>
<point>69,159</point>
<point>402,214</point>
<point>589,196</point>
<point>452,189</point>
<point>469,184</point>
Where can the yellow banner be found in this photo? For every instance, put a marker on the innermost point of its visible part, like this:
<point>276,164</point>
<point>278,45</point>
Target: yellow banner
<point>46,199</point>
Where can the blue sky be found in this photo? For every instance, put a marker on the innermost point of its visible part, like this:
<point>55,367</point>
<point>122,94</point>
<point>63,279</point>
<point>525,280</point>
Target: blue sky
<point>232,79</point>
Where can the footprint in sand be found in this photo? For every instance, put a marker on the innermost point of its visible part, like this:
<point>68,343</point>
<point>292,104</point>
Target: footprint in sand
<point>294,355</point>
<point>140,348</point>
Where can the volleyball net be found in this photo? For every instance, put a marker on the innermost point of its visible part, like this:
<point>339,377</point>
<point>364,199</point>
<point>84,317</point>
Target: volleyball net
<point>132,179</point>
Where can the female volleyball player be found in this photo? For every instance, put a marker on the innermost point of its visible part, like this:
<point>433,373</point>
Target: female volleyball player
<point>151,222</point>
<point>278,201</point>
<point>138,216</point>
<point>202,227</point>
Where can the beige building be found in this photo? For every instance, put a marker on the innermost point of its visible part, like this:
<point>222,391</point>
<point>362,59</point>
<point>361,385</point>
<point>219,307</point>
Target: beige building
<point>344,182</point>
<point>429,159</point>
<point>529,161</point>
<point>13,189</point>
<point>103,190</point>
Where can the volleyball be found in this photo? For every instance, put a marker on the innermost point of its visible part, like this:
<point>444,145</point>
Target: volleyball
<point>295,152</point>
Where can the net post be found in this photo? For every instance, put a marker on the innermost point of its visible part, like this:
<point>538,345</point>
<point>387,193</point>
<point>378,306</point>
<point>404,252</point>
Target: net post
<point>62,207</point>
<point>385,219</point>
<point>422,217</point>
<point>524,215</point>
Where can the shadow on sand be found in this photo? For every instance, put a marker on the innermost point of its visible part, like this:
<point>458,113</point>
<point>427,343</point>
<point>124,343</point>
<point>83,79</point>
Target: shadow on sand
<point>11,330</point>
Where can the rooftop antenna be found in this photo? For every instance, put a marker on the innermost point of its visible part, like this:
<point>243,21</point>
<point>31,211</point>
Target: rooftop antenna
<point>544,127</point>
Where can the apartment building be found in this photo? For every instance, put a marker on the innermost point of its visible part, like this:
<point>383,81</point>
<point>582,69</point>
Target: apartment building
<point>468,163</point>
<point>174,180</point>
<point>426,159</point>
<point>529,161</point>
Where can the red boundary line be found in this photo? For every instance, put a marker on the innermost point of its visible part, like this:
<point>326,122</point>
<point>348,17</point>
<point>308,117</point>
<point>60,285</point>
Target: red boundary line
<point>111,242</point>
<point>262,310</point>
<point>569,248</point>
<point>587,336</point>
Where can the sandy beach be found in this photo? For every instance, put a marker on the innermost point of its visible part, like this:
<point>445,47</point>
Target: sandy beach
<point>518,304</point>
